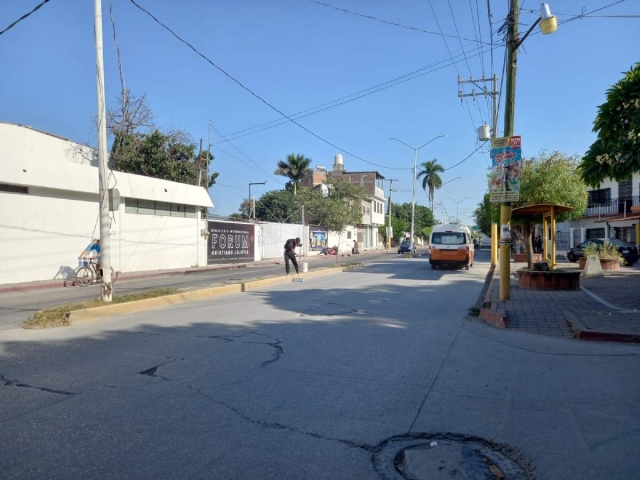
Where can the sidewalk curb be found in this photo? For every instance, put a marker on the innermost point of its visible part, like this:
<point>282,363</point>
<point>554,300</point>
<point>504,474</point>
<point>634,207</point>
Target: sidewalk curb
<point>489,312</point>
<point>98,313</point>
<point>582,332</point>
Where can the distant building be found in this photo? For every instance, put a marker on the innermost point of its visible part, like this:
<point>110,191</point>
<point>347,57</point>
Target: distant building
<point>49,211</point>
<point>373,206</point>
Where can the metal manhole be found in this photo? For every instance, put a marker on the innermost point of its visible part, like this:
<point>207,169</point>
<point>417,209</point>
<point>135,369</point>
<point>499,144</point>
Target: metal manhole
<point>450,455</point>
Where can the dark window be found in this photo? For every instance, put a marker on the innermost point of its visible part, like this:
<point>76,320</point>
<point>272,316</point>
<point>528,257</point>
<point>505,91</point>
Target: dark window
<point>448,238</point>
<point>131,205</point>
<point>599,197</point>
<point>624,189</point>
<point>4,187</point>
<point>163,209</point>
<point>595,233</point>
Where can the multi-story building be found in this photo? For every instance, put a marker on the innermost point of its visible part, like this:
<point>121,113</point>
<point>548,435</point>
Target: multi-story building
<point>373,206</point>
<point>613,211</point>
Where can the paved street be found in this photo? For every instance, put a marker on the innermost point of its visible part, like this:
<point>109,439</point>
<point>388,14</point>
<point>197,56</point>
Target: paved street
<point>305,381</point>
<point>16,307</point>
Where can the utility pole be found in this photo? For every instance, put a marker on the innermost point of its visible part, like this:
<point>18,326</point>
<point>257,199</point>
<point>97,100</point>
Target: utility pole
<point>494,134</point>
<point>391,180</point>
<point>509,112</point>
<point>103,178</point>
<point>200,165</point>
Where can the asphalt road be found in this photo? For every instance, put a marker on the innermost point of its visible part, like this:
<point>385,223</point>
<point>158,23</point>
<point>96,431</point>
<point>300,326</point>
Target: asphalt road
<point>306,380</point>
<point>16,307</point>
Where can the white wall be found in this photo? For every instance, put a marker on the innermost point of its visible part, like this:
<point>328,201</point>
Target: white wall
<point>273,236</point>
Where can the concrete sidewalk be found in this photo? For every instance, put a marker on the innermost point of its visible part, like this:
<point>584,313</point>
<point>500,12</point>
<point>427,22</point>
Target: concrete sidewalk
<point>70,282</point>
<point>603,309</point>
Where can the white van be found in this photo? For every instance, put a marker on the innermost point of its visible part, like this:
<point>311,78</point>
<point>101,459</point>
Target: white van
<point>451,245</point>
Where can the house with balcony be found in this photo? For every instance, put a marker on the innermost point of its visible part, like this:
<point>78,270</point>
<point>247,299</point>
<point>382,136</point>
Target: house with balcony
<point>613,211</point>
<point>373,205</point>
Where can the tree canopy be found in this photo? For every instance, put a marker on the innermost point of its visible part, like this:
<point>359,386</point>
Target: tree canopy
<point>139,147</point>
<point>616,151</point>
<point>274,206</point>
<point>430,173</point>
<point>294,168</point>
<point>333,212</point>
<point>423,216</point>
<point>487,213</point>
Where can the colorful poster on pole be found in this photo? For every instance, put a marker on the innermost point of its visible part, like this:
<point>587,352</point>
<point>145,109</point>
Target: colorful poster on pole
<point>506,154</point>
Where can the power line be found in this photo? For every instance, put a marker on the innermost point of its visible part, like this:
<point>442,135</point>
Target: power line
<point>464,160</point>
<point>451,56</point>
<point>391,23</point>
<point>228,186</point>
<point>23,17</point>
<point>347,99</point>
<point>247,89</point>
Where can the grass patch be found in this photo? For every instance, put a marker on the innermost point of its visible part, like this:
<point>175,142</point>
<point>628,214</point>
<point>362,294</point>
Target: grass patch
<point>58,316</point>
<point>474,311</point>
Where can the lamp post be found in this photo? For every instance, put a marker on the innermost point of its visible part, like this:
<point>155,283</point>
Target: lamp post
<point>415,166</point>
<point>254,203</point>
<point>457,205</point>
<point>548,24</point>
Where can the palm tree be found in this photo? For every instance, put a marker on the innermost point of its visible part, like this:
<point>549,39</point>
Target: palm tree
<point>431,181</point>
<point>294,168</point>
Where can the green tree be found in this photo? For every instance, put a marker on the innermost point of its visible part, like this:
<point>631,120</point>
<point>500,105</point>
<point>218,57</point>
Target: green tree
<point>335,211</point>
<point>423,215</point>
<point>294,168</point>
<point>398,225</point>
<point>274,206</point>
<point>139,147</point>
<point>431,181</point>
<point>486,214</point>
<point>549,178</point>
<point>616,151</point>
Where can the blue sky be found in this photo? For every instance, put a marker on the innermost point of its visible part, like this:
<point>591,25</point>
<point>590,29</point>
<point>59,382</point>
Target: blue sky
<point>297,54</point>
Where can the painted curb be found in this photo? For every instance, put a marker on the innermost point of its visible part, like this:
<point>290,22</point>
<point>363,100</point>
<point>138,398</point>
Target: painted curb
<point>98,313</point>
<point>582,332</point>
<point>489,311</point>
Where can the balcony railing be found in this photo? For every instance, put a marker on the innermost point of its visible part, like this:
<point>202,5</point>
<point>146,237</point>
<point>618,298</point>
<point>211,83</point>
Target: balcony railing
<point>614,206</point>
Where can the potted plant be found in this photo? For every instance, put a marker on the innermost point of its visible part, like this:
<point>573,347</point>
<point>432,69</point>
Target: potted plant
<point>610,258</point>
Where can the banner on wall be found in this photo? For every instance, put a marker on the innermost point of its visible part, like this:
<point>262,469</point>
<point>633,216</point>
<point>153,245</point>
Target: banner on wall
<point>230,242</point>
<point>318,240</point>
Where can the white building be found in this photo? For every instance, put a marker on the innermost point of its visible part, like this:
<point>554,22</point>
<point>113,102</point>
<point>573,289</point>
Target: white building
<point>613,211</point>
<point>49,212</point>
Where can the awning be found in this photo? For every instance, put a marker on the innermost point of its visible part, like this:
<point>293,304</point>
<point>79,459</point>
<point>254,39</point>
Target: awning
<point>539,209</point>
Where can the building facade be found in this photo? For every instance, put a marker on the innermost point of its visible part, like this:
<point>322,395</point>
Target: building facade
<point>613,211</point>
<point>372,206</point>
<point>49,212</point>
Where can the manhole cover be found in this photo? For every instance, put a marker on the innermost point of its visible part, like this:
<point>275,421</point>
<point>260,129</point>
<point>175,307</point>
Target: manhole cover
<point>450,455</point>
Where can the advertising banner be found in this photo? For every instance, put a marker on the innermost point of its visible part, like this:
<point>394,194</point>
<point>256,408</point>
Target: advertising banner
<point>318,240</point>
<point>230,242</point>
<point>506,154</point>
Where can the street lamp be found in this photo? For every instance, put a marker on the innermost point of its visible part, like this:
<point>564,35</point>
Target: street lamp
<point>254,203</point>
<point>457,205</point>
<point>548,24</point>
<point>415,166</point>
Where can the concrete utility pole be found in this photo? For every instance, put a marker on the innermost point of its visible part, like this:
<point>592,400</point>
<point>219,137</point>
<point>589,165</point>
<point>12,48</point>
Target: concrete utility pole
<point>252,211</point>
<point>494,134</point>
<point>509,112</point>
<point>390,180</point>
<point>103,177</point>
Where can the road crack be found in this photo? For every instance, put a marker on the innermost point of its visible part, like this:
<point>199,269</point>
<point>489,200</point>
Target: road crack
<point>19,384</point>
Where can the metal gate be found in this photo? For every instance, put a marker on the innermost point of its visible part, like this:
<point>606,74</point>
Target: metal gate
<point>626,234</point>
<point>625,196</point>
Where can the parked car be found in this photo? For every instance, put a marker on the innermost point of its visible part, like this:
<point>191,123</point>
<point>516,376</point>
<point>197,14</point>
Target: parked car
<point>628,251</point>
<point>406,247</point>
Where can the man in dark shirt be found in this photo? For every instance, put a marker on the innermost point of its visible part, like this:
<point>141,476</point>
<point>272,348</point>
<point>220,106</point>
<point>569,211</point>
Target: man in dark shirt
<point>290,253</point>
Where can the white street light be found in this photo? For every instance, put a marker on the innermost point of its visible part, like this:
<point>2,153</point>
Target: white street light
<point>415,166</point>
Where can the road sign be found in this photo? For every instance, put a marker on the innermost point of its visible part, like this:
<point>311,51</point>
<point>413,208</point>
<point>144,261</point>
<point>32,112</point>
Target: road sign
<point>506,154</point>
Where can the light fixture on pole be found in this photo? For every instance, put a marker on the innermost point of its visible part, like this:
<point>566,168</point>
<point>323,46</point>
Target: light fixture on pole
<point>415,167</point>
<point>254,202</point>
<point>457,205</point>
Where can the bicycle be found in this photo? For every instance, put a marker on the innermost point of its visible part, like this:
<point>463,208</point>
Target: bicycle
<point>88,273</point>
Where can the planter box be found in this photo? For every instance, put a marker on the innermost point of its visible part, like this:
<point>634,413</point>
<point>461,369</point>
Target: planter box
<point>553,280</point>
<point>605,263</point>
<point>522,257</point>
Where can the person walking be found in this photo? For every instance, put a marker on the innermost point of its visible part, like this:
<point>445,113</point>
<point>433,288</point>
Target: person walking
<point>290,253</point>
